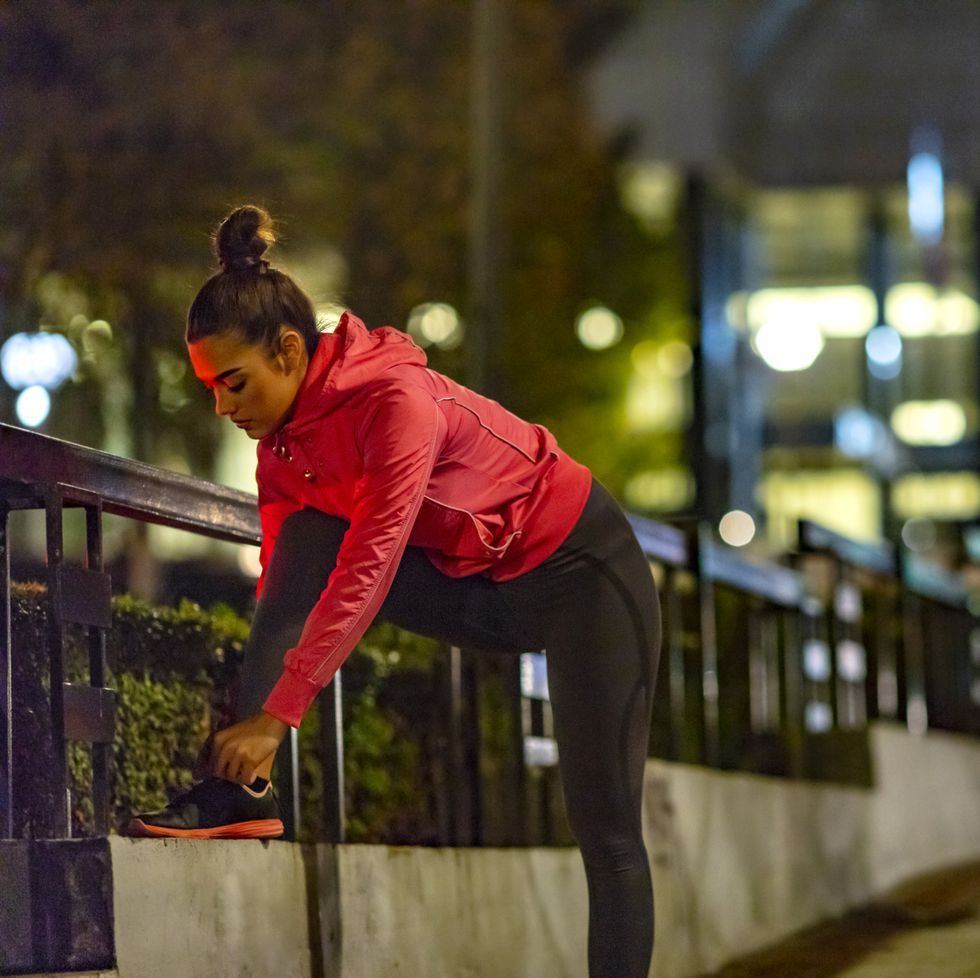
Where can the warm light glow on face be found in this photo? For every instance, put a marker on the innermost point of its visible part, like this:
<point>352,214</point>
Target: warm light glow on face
<point>259,392</point>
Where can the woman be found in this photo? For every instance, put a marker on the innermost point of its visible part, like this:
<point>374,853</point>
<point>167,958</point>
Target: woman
<point>388,490</point>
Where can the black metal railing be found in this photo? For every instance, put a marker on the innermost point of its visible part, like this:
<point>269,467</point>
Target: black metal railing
<point>775,669</point>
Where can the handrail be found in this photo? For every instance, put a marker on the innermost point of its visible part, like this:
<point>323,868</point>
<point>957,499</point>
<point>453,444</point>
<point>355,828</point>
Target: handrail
<point>878,557</point>
<point>778,585</point>
<point>129,488</point>
<point>932,581</point>
<point>659,541</point>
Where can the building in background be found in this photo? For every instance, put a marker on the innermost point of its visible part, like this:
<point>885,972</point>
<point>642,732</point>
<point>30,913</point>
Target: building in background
<point>824,159</point>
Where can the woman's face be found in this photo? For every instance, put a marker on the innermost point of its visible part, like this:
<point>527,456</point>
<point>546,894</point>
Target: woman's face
<point>251,388</point>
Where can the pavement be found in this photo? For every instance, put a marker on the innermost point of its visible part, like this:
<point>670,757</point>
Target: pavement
<point>928,927</point>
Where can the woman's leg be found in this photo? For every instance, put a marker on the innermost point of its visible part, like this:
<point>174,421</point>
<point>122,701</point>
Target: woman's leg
<point>598,601</point>
<point>594,607</point>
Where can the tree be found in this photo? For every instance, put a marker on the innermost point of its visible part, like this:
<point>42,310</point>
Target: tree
<point>131,128</point>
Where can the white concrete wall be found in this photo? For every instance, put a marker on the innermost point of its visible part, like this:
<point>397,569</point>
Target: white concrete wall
<point>209,909</point>
<point>739,862</point>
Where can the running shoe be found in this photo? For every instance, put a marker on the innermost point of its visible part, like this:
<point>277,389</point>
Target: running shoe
<point>213,809</point>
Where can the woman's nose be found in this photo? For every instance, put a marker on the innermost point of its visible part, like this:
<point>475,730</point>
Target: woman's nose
<point>222,403</point>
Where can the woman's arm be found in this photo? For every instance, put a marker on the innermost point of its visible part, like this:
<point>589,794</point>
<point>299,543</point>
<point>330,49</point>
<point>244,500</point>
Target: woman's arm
<point>399,437</point>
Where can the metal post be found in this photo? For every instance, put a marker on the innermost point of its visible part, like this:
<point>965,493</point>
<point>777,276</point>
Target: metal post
<point>460,794</point>
<point>676,675</point>
<point>471,730</point>
<point>792,702</point>
<point>916,706</point>
<point>97,674</point>
<point>709,652</point>
<point>332,759</point>
<point>56,823</point>
<point>6,686</point>
<point>520,827</point>
<point>286,779</point>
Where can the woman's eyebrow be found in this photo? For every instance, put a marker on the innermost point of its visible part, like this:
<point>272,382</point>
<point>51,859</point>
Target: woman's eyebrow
<point>222,375</point>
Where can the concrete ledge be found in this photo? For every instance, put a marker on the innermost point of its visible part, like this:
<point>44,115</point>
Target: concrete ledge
<point>210,908</point>
<point>740,862</point>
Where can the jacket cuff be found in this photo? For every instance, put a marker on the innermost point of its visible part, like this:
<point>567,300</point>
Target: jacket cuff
<point>290,698</point>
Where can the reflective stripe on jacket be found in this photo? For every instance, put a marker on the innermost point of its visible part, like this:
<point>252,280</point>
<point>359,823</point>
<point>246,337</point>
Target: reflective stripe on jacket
<point>407,456</point>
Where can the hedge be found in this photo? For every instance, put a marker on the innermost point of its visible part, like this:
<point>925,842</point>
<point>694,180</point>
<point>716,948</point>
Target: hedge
<point>174,670</point>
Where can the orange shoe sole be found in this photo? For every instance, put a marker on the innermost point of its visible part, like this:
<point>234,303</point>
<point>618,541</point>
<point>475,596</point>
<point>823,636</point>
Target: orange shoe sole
<point>265,828</point>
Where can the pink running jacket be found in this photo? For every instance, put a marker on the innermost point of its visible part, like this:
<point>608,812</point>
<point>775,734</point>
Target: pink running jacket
<point>407,456</point>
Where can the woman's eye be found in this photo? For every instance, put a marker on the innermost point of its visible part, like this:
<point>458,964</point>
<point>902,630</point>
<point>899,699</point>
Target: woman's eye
<point>237,387</point>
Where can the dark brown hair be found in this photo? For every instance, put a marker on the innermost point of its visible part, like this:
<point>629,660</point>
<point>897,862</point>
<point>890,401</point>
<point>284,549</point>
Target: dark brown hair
<point>248,298</point>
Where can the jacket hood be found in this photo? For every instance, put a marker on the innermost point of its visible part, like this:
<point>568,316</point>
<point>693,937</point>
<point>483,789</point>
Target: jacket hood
<point>344,361</point>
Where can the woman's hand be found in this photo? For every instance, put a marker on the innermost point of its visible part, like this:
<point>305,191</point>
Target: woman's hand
<point>237,751</point>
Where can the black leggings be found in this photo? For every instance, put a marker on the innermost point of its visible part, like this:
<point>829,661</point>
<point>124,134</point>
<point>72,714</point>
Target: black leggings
<point>593,607</point>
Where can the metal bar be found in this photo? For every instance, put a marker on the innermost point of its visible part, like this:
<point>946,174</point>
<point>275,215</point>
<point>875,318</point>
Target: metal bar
<point>913,641</point>
<point>792,700</point>
<point>461,822</point>
<point>6,686</point>
<point>521,828</point>
<point>332,758</point>
<point>709,657</point>
<point>677,686</point>
<point>97,670</point>
<point>471,730</point>
<point>286,777</point>
<point>57,822</point>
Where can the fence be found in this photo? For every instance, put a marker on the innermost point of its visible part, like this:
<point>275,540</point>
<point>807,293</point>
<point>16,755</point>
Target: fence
<point>773,669</point>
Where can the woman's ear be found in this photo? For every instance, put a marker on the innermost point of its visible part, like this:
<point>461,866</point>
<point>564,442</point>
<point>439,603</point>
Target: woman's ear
<point>291,349</point>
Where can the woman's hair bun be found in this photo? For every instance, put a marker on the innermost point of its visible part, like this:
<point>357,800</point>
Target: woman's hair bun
<point>242,238</point>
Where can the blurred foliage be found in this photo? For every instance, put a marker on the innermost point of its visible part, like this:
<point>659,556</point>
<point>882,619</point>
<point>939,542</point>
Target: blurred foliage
<point>130,128</point>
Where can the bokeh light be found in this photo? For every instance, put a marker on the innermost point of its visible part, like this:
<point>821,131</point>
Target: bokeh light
<point>941,422</point>
<point>436,323</point>
<point>919,534</point>
<point>33,406</point>
<point>736,528</point>
<point>42,359</point>
<point>857,433</point>
<point>787,346</point>
<point>599,328</point>
<point>883,345</point>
